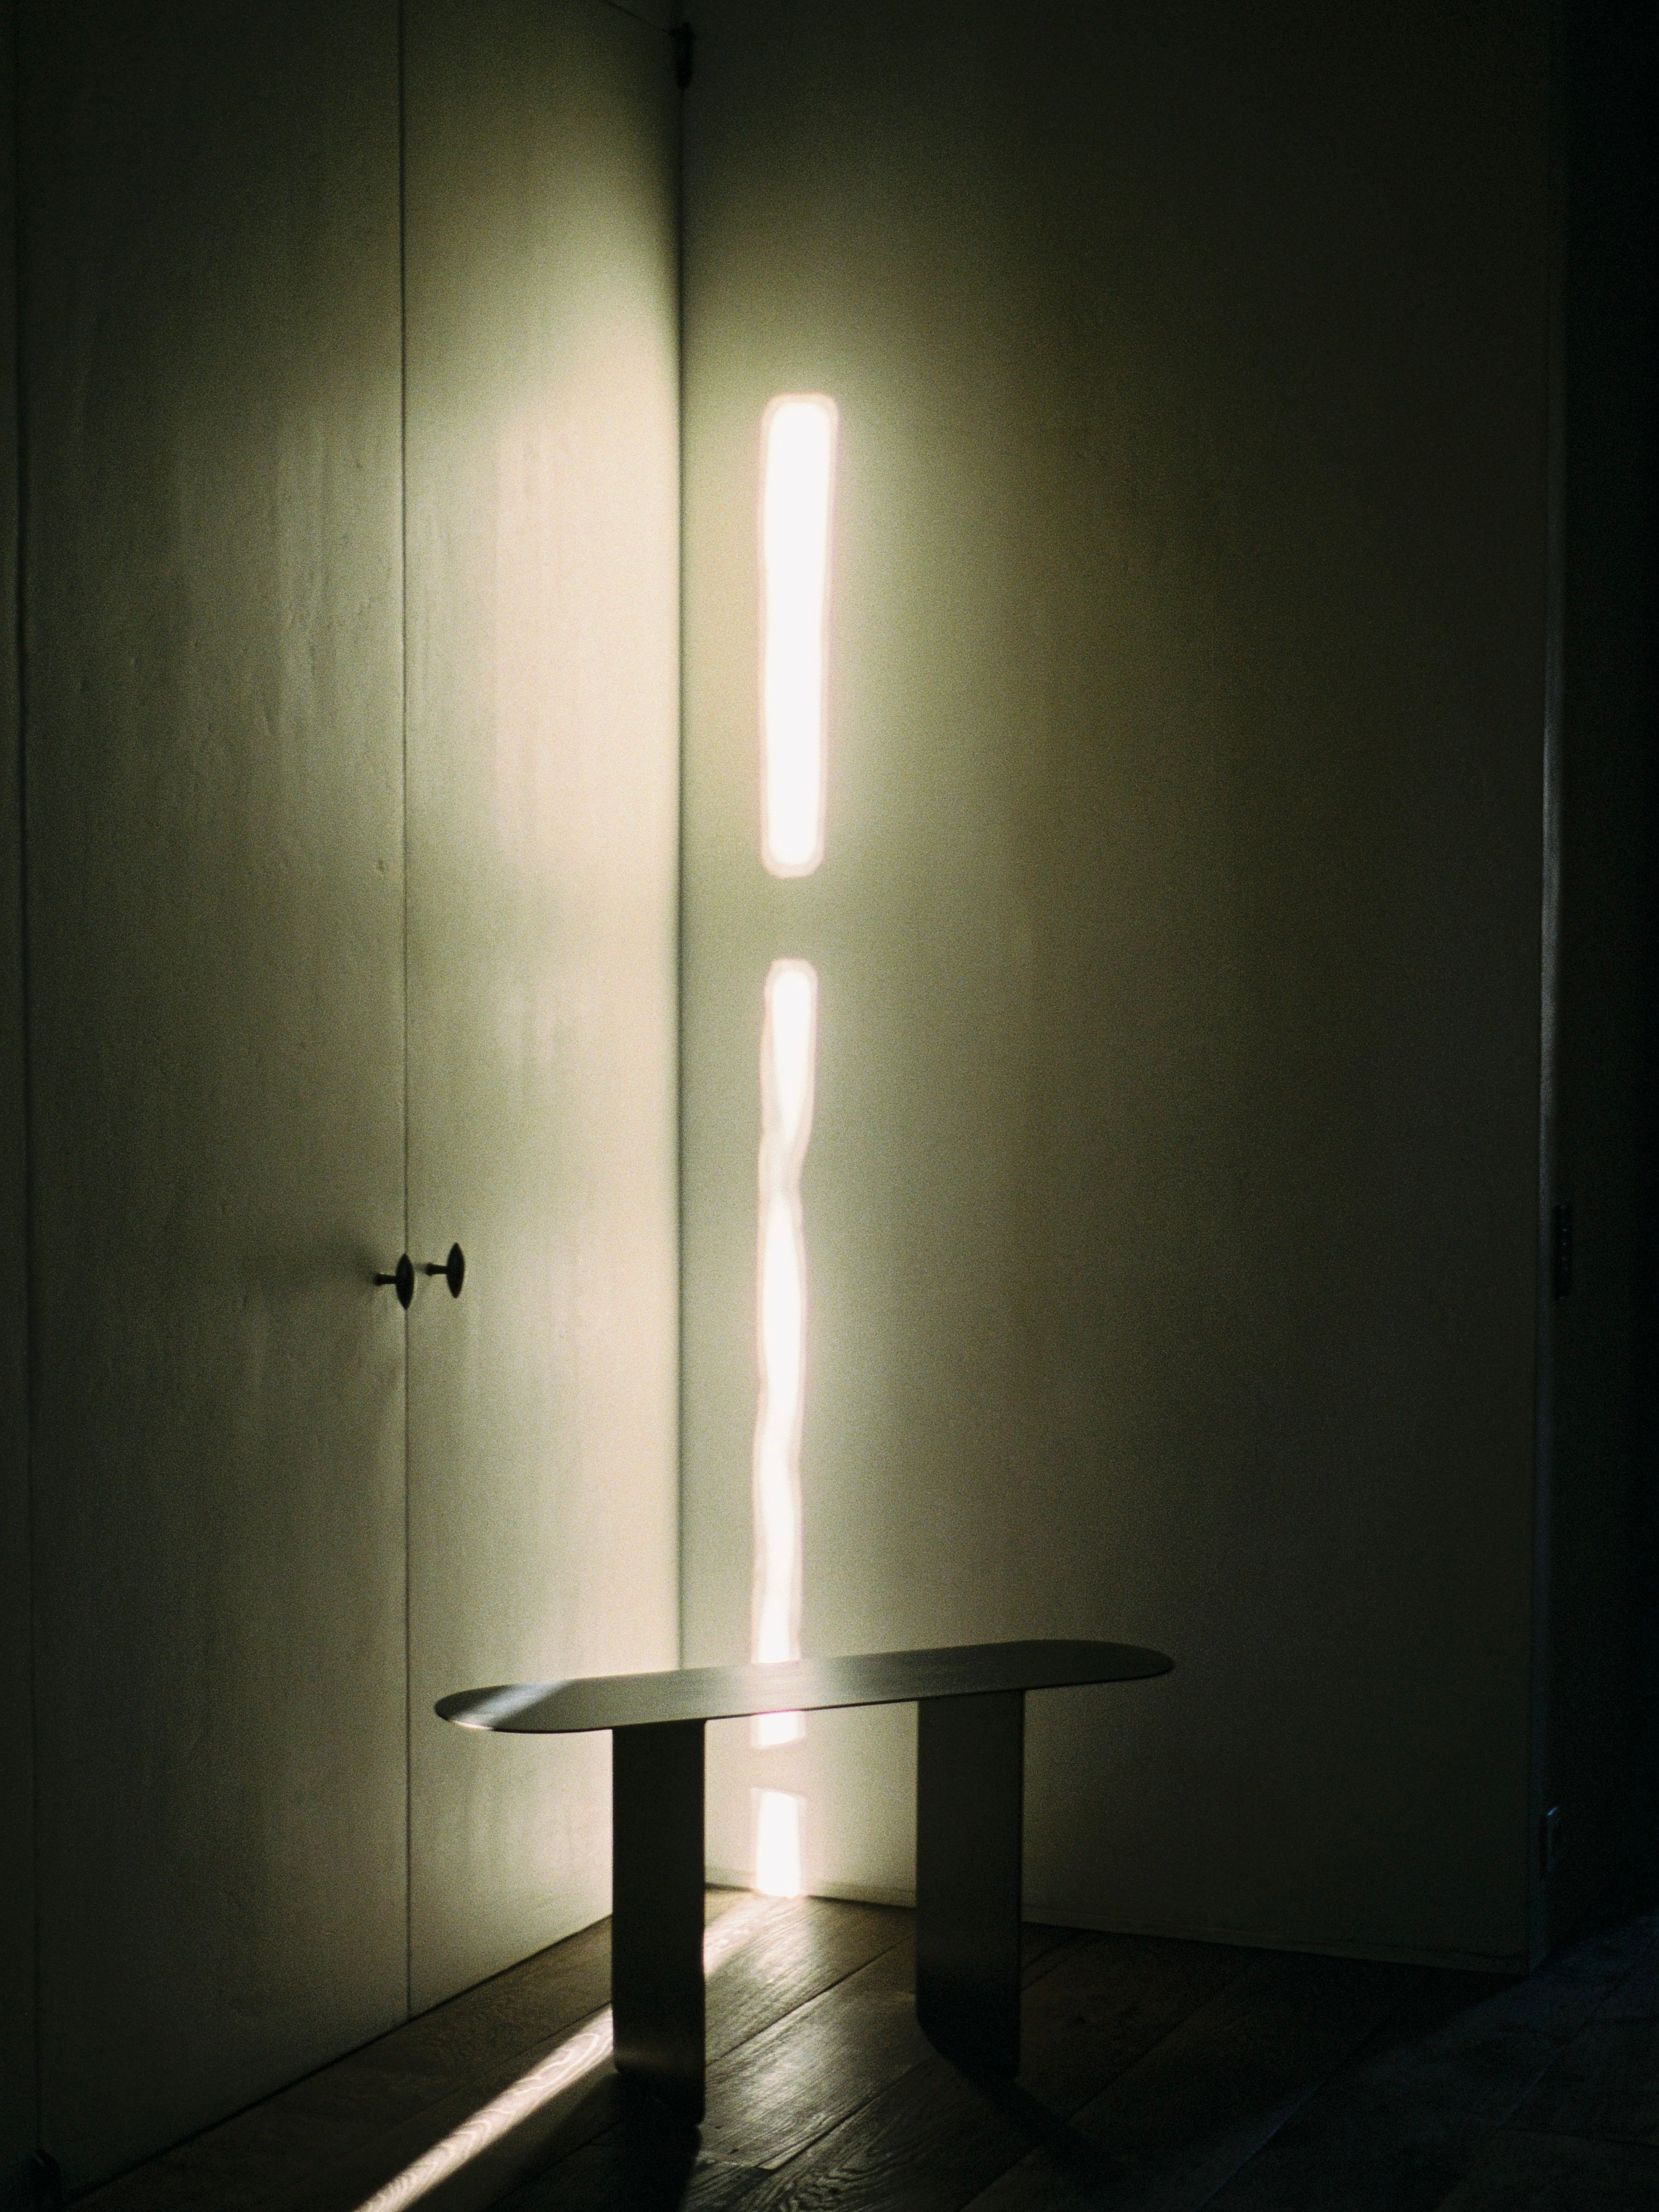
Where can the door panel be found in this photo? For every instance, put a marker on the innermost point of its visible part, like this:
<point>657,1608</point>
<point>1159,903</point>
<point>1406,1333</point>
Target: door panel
<point>543,526</point>
<point>214,838</point>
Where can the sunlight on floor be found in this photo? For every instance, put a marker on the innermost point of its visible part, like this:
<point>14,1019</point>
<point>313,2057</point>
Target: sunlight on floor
<point>578,2055</point>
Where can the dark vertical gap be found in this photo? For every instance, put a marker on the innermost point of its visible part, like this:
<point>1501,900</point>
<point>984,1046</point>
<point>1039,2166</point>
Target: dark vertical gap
<point>31,1269</point>
<point>1603,1534</point>
<point>31,1272</point>
<point>1610,585</point>
<point>1537,1903</point>
<point>402,527</point>
<point>1644,1548</point>
<point>679,862</point>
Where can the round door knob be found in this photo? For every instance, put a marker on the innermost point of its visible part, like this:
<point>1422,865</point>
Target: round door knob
<point>402,1279</point>
<point>453,1269</point>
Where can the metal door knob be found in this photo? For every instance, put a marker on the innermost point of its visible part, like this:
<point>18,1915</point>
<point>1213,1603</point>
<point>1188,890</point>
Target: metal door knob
<point>402,1279</point>
<point>453,1270</point>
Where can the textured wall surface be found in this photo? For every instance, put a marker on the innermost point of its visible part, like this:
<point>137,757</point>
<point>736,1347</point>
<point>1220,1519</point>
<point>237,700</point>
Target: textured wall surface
<point>543,740</point>
<point>215,837</point>
<point>291,550</point>
<point>1170,1206</point>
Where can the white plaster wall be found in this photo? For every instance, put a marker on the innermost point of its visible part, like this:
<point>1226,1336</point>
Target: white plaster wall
<point>544,750</point>
<point>259,1845</point>
<point>1171,1201</point>
<point>211,373</point>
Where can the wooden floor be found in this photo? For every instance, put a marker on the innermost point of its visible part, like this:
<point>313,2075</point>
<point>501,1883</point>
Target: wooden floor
<point>1157,2075</point>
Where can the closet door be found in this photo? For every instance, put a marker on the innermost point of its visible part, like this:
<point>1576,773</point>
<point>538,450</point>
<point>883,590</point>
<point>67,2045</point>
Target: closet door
<point>543,527</point>
<point>214,827</point>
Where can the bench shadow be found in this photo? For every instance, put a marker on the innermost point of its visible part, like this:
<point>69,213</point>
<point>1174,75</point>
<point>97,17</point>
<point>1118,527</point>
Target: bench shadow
<point>1086,2162</point>
<point>644,2159</point>
<point>653,2166</point>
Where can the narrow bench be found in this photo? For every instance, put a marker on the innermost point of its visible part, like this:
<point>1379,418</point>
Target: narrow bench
<point>970,1760</point>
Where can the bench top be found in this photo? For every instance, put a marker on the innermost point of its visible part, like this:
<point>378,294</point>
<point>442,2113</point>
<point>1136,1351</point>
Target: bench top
<point>794,1685</point>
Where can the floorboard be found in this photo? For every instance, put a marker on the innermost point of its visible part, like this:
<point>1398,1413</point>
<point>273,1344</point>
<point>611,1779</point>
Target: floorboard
<point>1166,2133</point>
<point>1157,2076</point>
<point>1605,2084</point>
<point>1520,2172</point>
<point>792,1958</point>
<point>782,2092</point>
<point>1397,2126</point>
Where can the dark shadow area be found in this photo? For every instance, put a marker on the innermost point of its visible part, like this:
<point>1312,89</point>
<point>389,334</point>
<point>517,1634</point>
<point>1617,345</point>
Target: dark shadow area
<point>1632,71</point>
<point>1084,2162</point>
<point>647,2162</point>
<point>1603,1729</point>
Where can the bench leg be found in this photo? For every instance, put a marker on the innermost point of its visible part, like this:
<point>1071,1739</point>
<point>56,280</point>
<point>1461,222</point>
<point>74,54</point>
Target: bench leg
<point>970,1778</point>
<point>656,1924</point>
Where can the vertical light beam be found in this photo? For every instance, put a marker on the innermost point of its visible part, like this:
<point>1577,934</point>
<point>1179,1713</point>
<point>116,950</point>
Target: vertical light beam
<point>789,1048</point>
<point>778,1821</point>
<point>798,474</point>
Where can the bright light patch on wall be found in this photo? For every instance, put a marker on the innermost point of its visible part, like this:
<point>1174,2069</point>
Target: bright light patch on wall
<point>562,2068</point>
<point>778,1822</point>
<point>798,478</point>
<point>789,1047</point>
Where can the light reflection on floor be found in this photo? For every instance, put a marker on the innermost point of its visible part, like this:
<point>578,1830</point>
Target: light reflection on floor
<point>579,2054</point>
